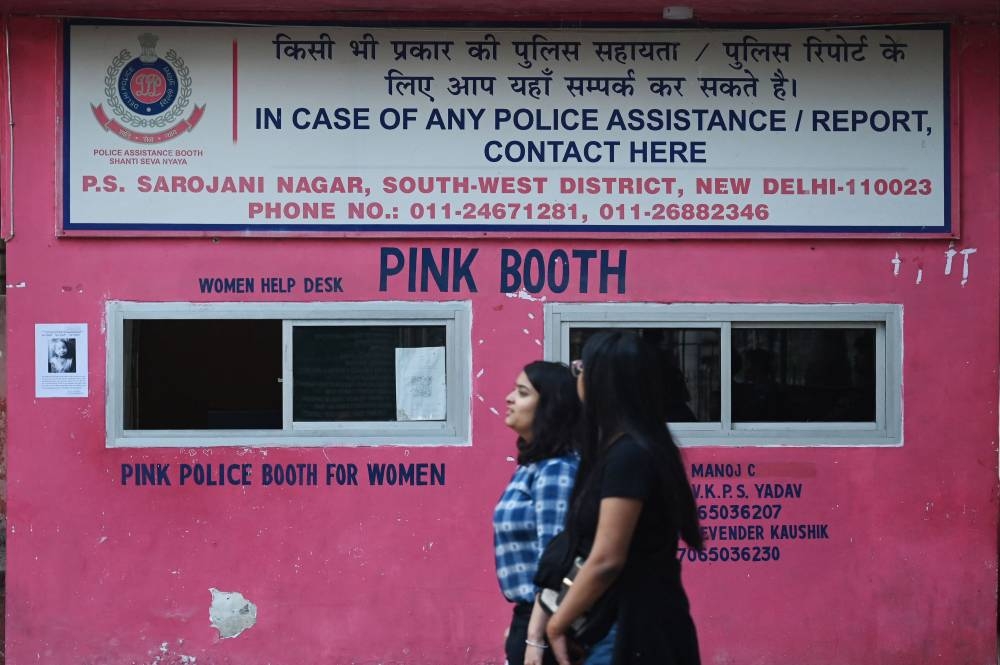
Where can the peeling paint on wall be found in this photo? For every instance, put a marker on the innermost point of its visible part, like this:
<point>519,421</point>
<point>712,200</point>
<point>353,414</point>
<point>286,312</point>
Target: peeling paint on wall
<point>164,657</point>
<point>524,295</point>
<point>231,613</point>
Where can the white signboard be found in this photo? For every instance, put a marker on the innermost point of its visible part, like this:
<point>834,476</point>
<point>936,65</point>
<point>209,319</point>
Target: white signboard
<point>387,129</point>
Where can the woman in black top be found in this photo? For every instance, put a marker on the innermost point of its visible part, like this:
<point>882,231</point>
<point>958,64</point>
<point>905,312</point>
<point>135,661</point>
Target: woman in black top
<point>632,501</point>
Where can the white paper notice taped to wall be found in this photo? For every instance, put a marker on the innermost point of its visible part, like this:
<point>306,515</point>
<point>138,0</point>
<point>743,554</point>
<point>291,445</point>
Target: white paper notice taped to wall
<point>61,367</point>
<point>420,384</point>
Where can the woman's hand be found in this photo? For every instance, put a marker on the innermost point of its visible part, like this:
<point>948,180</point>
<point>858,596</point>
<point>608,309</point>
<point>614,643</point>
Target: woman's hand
<point>566,651</point>
<point>533,655</point>
<point>535,647</point>
<point>560,649</point>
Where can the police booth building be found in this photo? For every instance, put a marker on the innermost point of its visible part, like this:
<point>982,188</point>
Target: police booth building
<point>271,276</point>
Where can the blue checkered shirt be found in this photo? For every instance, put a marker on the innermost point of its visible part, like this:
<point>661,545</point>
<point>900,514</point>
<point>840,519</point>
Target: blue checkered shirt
<point>531,511</point>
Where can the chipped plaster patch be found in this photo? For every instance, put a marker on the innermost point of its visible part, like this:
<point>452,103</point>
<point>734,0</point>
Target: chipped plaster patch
<point>164,657</point>
<point>524,295</point>
<point>231,613</point>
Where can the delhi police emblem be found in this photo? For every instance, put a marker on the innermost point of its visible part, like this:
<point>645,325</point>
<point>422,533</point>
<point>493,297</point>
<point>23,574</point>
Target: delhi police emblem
<point>148,96</point>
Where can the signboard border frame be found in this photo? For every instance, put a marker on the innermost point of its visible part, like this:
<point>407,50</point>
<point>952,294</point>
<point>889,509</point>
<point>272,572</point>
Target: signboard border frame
<point>950,203</point>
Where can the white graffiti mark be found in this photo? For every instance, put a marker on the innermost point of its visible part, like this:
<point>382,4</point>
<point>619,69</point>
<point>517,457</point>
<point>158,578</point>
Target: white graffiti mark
<point>966,253</point>
<point>949,255</point>
<point>895,265</point>
<point>920,275</point>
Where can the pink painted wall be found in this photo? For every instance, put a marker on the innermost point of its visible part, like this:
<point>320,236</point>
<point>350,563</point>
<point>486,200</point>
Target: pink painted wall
<point>101,573</point>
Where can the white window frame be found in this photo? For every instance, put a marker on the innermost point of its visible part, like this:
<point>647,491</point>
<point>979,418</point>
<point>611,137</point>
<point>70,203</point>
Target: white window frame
<point>455,316</point>
<point>885,319</point>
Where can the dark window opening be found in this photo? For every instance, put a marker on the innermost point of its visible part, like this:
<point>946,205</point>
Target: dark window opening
<point>689,363</point>
<point>803,375</point>
<point>185,374</point>
<point>348,373</point>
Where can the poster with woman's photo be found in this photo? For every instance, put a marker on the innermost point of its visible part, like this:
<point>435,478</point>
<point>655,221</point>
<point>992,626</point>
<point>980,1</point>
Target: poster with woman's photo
<point>61,360</point>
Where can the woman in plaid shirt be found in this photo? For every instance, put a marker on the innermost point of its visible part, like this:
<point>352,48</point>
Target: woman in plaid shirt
<point>543,410</point>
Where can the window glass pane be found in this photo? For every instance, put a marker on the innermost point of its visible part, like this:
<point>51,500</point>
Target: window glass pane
<point>348,373</point>
<point>202,374</point>
<point>690,366</point>
<point>803,375</point>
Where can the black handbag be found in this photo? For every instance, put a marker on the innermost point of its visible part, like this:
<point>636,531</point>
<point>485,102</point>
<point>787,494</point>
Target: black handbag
<point>557,569</point>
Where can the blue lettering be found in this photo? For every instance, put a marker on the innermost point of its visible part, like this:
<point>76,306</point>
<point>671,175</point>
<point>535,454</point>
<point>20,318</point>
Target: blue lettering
<point>268,118</point>
<point>800,532</point>
<point>342,474</point>
<point>418,475</point>
<point>558,283</point>
<point>385,270</point>
<point>226,284</point>
<point>277,284</point>
<point>510,277</point>
<point>145,474</point>
<point>454,118</point>
<point>585,255</point>
<point>288,474</point>
<point>451,271</point>
<point>463,271</point>
<point>534,271</point>
<point>213,475</point>
<point>701,491</point>
<point>717,470</point>
<point>778,490</point>
<point>607,270</point>
<point>667,152</point>
<point>431,268</point>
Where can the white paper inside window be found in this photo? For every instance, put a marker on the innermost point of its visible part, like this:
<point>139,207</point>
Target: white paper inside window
<point>420,384</point>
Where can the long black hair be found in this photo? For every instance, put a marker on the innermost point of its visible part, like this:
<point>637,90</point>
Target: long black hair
<point>556,423</point>
<point>624,393</point>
